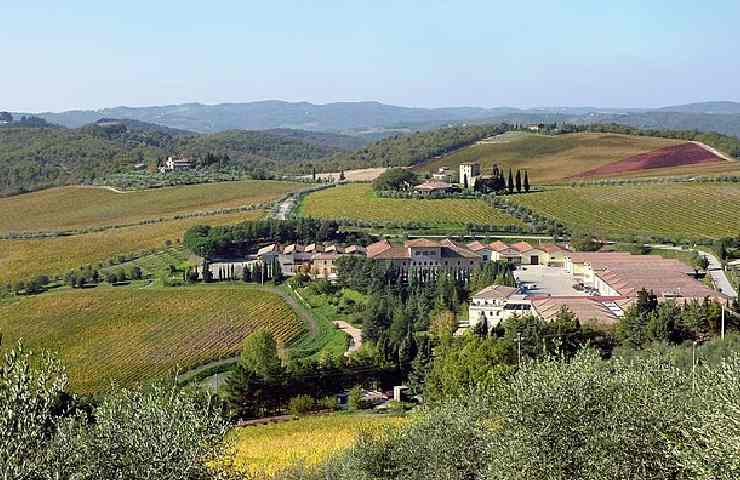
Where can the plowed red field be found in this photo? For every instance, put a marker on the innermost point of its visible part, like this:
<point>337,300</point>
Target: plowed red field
<point>674,156</point>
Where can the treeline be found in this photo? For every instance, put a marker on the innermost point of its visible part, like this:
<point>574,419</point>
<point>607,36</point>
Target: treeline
<point>34,158</point>
<point>243,238</point>
<point>408,150</point>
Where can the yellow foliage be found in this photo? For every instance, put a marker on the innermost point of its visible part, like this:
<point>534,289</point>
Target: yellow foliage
<point>270,449</point>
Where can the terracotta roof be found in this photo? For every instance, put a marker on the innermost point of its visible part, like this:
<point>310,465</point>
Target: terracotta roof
<point>496,292</point>
<point>431,185</point>
<point>314,247</point>
<point>552,248</point>
<point>521,246</point>
<point>375,248</point>
<point>458,249</point>
<point>423,243</point>
<point>498,245</point>
<point>293,248</point>
<point>592,310</point>
<point>393,253</point>
<point>477,246</point>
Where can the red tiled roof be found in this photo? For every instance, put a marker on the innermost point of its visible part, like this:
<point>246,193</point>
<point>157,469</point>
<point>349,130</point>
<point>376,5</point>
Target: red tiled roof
<point>458,249</point>
<point>393,253</point>
<point>498,245</point>
<point>521,246</point>
<point>423,243</point>
<point>477,246</point>
<point>431,185</point>
<point>375,248</point>
<point>552,248</point>
<point>495,292</point>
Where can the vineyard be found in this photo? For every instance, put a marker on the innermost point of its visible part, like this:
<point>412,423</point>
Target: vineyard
<point>22,259</point>
<point>270,449</point>
<point>552,159</point>
<point>674,210</point>
<point>358,202</point>
<point>126,336</point>
<point>83,207</point>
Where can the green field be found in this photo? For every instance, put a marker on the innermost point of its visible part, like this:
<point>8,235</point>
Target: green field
<point>82,207</point>
<point>132,335</point>
<point>550,159</point>
<point>675,210</point>
<point>23,259</point>
<point>359,202</point>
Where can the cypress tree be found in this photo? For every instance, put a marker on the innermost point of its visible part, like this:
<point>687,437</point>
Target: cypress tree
<point>511,181</point>
<point>518,181</point>
<point>526,182</point>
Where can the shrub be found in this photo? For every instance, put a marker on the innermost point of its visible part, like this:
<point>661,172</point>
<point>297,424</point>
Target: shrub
<point>301,405</point>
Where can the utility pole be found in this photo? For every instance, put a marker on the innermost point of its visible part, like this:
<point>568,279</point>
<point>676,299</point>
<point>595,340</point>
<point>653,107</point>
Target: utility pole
<point>519,339</point>
<point>693,364</point>
<point>723,321</point>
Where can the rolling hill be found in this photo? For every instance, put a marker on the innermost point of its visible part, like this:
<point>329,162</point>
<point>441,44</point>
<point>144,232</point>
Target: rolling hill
<point>34,158</point>
<point>550,159</point>
<point>374,117</point>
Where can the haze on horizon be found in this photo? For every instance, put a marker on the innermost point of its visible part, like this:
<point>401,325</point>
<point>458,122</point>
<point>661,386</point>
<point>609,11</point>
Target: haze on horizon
<point>89,55</point>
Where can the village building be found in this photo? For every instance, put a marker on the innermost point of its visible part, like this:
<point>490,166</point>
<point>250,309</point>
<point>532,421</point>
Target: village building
<point>425,254</point>
<point>529,255</point>
<point>322,265</point>
<point>176,164</point>
<point>495,304</point>
<point>469,173</point>
<point>434,186</point>
<point>444,174</point>
<point>501,252</point>
<point>599,311</point>
<point>485,251</point>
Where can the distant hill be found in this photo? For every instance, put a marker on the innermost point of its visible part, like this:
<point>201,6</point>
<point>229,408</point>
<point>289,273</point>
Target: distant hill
<point>374,120</point>
<point>34,158</point>
<point>705,107</point>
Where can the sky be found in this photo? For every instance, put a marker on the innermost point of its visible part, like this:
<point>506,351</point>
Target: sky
<point>92,54</point>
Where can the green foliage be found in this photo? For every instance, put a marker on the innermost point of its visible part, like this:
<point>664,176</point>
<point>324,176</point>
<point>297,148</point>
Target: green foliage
<point>407,150</point>
<point>395,179</point>
<point>260,355</point>
<point>158,432</point>
<point>301,405</point>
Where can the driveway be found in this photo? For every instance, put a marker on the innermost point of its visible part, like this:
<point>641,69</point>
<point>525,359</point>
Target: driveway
<point>353,332</point>
<point>718,275</point>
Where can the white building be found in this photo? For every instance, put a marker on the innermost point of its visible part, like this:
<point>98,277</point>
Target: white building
<point>495,304</point>
<point>177,164</point>
<point>469,173</point>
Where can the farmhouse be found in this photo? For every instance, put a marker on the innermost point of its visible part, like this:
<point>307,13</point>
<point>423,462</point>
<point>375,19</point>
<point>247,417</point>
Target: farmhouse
<point>434,186</point>
<point>444,174</point>
<point>425,254</point>
<point>175,164</point>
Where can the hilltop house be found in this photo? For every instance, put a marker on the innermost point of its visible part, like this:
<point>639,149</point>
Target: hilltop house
<point>176,164</point>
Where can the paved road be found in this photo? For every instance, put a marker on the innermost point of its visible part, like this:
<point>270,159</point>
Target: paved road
<point>353,332</point>
<point>718,275</point>
<point>285,207</point>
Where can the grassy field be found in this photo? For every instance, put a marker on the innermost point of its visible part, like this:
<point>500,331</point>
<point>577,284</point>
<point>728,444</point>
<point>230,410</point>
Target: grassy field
<point>22,259</point>
<point>81,207</point>
<point>676,210</point>
<point>269,449</point>
<point>550,159</point>
<point>359,202</point>
<point>130,335</point>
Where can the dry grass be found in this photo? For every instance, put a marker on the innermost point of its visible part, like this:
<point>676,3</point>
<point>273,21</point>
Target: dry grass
<point>677,210</point>
<point>80,207</point>
<point>269,449</point>
<point>555,158</point>
<point>135,335</point>
<point>22,259</point>
<point>359,202</point>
